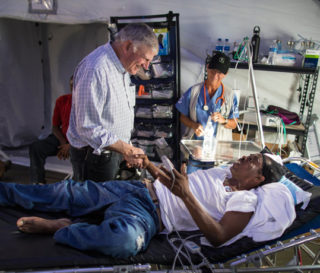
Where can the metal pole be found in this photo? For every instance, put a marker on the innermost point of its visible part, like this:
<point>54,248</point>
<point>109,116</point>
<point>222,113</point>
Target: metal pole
<point>255,96</point>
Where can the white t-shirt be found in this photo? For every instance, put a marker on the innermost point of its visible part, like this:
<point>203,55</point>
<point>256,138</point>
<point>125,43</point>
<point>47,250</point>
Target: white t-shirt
<point>207,186</point>
<point>272,204</point>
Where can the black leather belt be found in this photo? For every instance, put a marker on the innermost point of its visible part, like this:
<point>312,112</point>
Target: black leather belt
<point>103,152</point>
<point>155,200</point>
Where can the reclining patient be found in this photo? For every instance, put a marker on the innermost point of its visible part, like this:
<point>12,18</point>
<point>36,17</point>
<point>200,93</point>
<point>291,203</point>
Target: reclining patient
<point>224,203</point>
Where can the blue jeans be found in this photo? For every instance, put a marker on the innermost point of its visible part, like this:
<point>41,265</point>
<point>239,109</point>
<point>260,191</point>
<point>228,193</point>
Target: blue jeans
<point>88,166</point>
<point>38,152</point>
<point>129,223</point>
<point>194,165</point>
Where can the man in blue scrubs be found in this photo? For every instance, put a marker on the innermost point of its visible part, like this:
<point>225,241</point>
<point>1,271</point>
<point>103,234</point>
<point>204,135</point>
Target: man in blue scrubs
<point>209,99</point>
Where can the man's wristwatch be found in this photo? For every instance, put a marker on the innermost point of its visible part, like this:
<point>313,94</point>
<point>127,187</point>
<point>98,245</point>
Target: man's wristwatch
<point>225,123</point>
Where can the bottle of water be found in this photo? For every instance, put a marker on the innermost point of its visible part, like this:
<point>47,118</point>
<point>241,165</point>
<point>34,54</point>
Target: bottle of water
<point>226,47</point>
<point>219,45</point>
<point>272,52</point>
<point>208,141</point>
<point>255,41</point>
<point>279,46</point>
<point>235,51</point>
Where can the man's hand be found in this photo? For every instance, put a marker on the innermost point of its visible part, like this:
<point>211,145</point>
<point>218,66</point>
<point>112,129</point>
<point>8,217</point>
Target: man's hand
<point>132,159</point>
<point>217,117</point>
<point>198,130</point>
<point>63,152</point>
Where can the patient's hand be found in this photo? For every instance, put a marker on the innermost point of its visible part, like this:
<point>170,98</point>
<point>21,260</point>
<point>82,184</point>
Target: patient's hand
<point>179,185</point>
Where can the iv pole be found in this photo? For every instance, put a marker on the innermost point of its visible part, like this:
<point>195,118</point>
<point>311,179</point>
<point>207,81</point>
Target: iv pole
<point>255,96</point>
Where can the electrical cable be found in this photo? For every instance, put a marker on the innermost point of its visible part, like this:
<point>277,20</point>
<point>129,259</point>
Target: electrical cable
<point>197,250</point>
<point>188,257</point>
<point>179,249</point>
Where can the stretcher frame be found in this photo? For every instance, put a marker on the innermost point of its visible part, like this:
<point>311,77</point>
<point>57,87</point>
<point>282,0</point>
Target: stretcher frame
<point>259,257</point>
<point>263,260</point>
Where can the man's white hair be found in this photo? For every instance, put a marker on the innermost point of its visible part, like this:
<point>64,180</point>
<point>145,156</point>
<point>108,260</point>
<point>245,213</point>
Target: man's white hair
<point>139,34</point>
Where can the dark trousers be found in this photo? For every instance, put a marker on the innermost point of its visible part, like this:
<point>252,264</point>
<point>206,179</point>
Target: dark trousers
<point>38,152</point>
<point>98,168</point>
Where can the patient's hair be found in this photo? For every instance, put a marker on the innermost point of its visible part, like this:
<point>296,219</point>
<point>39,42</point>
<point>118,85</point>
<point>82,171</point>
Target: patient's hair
<point>271,170</point>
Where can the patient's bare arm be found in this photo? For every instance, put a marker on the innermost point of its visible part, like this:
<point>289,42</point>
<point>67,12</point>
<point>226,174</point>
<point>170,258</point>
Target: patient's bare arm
<point>217,232</point>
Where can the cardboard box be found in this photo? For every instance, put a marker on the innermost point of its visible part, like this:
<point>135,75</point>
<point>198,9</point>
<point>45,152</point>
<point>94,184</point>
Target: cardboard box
<point>236,137</point>
<point>311,58</point>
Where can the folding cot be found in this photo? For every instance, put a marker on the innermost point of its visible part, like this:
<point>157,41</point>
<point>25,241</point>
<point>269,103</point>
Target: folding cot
<point>33,252</point>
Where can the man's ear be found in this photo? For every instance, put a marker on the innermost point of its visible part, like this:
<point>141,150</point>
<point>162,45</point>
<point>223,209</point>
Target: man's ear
<point>128,45</point>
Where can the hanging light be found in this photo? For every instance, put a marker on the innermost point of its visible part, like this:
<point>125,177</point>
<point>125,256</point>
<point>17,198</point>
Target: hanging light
<point>43,6</point>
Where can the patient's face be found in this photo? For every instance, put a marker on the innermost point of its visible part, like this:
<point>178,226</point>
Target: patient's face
<point>247,171</point>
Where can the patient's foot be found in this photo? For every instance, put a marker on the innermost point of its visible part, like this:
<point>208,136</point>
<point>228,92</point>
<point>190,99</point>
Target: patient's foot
<point>41,225</point>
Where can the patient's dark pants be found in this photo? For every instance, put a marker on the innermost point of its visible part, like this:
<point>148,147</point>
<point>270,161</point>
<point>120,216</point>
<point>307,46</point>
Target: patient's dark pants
<point>130,221</point>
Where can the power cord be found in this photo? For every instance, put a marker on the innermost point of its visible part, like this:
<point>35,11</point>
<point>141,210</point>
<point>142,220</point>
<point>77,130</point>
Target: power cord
<point>192,247</point>
<point>187,255</point>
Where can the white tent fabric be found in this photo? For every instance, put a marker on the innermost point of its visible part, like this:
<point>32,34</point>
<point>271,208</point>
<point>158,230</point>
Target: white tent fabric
<point>39,52</point>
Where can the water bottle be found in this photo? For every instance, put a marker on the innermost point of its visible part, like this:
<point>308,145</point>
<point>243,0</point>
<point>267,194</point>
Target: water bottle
<point>255,41</point>
<point>235,51</point>
<point>272,52</point>
<point>208,141</point>
<point>219,45</point>
<point>226,47</point>
<point>279,46</point>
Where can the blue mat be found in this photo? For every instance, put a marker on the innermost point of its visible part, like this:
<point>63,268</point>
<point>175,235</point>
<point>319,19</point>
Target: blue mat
<point>301,172</point>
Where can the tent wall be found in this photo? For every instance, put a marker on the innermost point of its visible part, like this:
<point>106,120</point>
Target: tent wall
<point>79,26</point>
<point>22,97</point>
<point>37,62</point>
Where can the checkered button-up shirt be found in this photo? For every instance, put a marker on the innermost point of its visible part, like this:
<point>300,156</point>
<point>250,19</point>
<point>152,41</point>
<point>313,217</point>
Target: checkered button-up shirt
<point>103,101</point>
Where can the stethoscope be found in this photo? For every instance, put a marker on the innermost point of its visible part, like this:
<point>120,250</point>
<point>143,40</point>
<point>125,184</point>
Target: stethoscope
<point>205,106</point>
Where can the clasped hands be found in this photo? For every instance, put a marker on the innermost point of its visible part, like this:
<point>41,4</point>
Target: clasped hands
<point>177,184</point>
<point>131,156</point>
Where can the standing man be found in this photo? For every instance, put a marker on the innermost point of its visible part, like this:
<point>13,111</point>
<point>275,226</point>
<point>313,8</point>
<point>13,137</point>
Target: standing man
<point>56,143</point>
<point>102,114</point>
<point>209,99</point>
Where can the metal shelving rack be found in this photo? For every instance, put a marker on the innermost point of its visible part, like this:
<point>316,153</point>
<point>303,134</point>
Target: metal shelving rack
<point>306,97</point>
<point>171,22</point>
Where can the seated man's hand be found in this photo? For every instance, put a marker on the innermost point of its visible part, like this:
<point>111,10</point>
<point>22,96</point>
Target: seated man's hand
<point>132,159</point>
<point>63,152</point>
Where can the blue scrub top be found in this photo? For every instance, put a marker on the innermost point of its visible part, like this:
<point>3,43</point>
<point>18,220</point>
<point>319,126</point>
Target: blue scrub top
<point>202,116</point>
